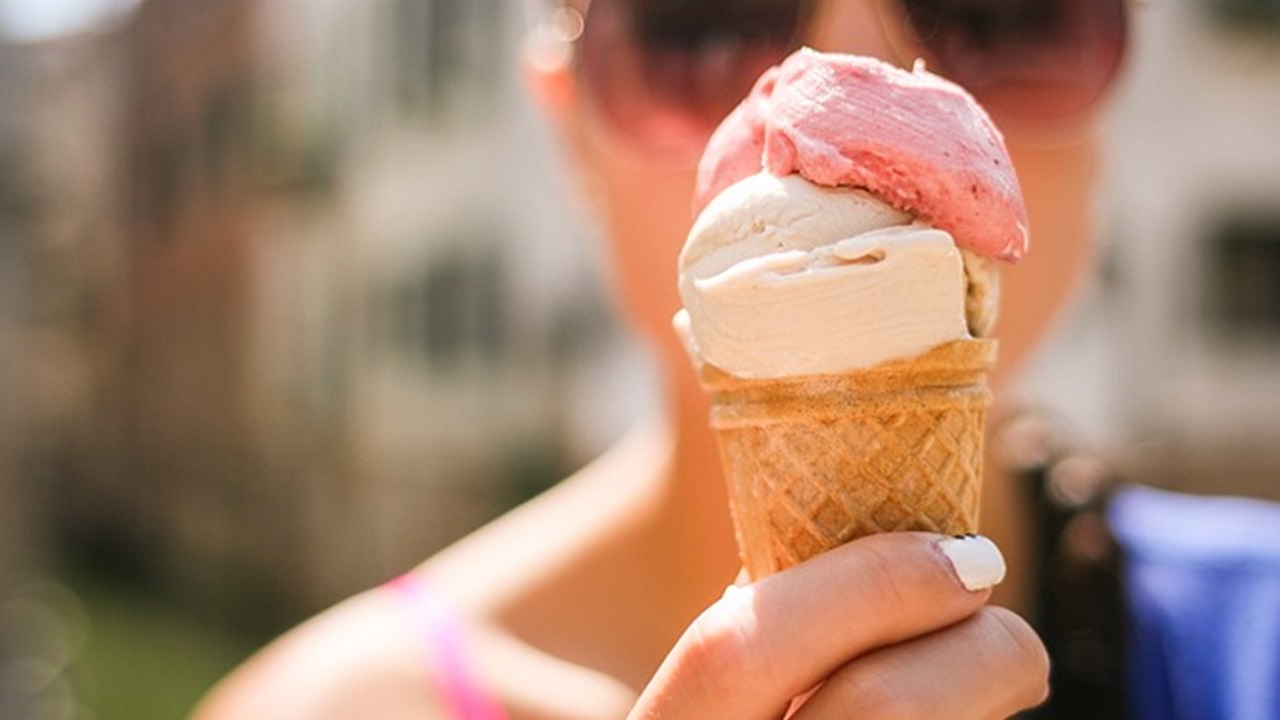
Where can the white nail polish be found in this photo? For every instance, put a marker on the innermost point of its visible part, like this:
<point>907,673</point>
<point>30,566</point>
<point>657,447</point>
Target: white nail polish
<point>736,598</point>
<point>737,593</point>
<point>976,560</point>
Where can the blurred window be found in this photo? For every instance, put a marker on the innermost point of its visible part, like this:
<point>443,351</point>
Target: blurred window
<point>451,311</point>
<point>18,198</point>
<point>165,180</point>
<point>447,66</point>
<point>1248,14</point>
<point>1244,276</point>
<point>226,129</point>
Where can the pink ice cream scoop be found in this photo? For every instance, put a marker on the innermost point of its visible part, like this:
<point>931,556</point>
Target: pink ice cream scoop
<point>916,140</point>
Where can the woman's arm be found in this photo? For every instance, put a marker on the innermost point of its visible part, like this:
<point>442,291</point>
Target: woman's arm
<point>369,656</point>
<point>364,658</point>
<point>354,660</point>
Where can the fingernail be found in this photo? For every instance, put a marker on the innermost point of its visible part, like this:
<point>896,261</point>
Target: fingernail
<point>737,597</point>
<point>735,592</point>
<point>977,560</point>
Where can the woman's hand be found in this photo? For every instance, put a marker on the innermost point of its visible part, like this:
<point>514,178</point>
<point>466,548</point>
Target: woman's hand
<point>888,626</point>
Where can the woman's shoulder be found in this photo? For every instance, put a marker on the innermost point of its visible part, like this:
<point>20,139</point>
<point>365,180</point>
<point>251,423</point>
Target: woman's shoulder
<point>350,661</point>
<point>522,589</point>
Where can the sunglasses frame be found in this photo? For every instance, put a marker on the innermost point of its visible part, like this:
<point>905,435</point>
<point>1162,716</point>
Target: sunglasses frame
<point>561,32</point>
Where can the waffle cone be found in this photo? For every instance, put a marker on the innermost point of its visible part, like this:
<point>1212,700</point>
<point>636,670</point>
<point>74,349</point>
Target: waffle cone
<point>813,462</point>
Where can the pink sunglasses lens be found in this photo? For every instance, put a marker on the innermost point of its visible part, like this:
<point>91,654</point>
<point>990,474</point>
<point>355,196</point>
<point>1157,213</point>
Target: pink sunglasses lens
<point>1027,60</point>
<point>665,72</point>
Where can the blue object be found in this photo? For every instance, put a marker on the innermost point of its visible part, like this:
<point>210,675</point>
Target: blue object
<point>1203,590</point>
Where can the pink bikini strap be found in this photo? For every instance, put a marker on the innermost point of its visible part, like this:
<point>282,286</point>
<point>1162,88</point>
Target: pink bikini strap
<point>442,639</point>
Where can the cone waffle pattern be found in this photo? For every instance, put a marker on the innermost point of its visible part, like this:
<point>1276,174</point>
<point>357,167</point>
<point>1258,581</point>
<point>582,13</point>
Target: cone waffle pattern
<point>817,461</point>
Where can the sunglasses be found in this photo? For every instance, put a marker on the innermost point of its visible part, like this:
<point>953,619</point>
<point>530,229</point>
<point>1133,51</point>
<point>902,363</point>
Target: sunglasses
<point>664,73</point>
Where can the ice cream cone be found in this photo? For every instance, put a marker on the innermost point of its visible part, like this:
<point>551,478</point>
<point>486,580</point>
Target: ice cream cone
<point>815,461</point>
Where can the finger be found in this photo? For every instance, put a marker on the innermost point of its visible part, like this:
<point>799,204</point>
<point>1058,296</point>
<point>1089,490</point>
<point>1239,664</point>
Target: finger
<point>987,667</point>
<point>762,644</point>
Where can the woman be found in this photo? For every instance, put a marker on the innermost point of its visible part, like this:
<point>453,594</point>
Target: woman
<point>607,595</point>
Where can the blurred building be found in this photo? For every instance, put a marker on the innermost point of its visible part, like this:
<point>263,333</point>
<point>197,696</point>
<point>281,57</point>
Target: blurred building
<point>60,240</point>
<point>357,301</point>
<point>314,303</point>
<point>59,244</point>
<point>12,218</point>
<point>1177,346</point>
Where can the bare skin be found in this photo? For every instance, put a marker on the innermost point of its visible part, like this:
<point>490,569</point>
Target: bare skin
<point>600,599</point>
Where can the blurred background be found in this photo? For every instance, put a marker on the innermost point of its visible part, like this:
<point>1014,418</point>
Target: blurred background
<point>270,332</point>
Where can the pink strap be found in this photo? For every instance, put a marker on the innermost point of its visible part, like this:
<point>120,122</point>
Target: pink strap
<point>442,639</point>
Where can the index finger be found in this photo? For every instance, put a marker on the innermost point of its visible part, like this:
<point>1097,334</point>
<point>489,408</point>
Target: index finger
<point>760,645</point>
